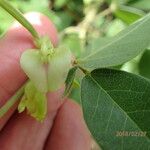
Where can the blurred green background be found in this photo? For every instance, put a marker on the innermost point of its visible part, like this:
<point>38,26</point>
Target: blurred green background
<point>87,24</point>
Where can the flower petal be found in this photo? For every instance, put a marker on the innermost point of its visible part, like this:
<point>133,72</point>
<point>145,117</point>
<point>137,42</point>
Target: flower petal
<point>58,68</point>
<point>33,66</point>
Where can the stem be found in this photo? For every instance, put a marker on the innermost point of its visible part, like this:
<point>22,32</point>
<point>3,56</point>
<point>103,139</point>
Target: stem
<point>86,23</point>
<point>83,70</point>
<point>11,101</point>
<point>19,17</point>
<point>104,13</point>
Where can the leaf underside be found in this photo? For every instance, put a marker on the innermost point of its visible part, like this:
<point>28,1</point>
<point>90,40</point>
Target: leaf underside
<point>123,47</point>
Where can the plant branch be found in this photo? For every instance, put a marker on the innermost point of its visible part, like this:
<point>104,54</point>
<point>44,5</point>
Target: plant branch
<point>12,101</point>
<point>83,70</point>
<point>19,17</point>
<point>104,13</point>
<point>82,28</point>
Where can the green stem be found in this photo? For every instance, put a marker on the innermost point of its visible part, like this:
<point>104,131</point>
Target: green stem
<point>11,101</point>
<point>19,17</point>
<point>84,70</point>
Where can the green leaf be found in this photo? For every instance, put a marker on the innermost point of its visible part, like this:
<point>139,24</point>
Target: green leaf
<point>132,66</point>
<point>123,47</point>
<point>140,4</point>
<point>70,79</point>
<point>58,68</point>
<point>115,102</point>
<point>34,101</point>
<point>144,64</point>
<point>33,66</point>
<point>128,14</point>
<point>94,44</point>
